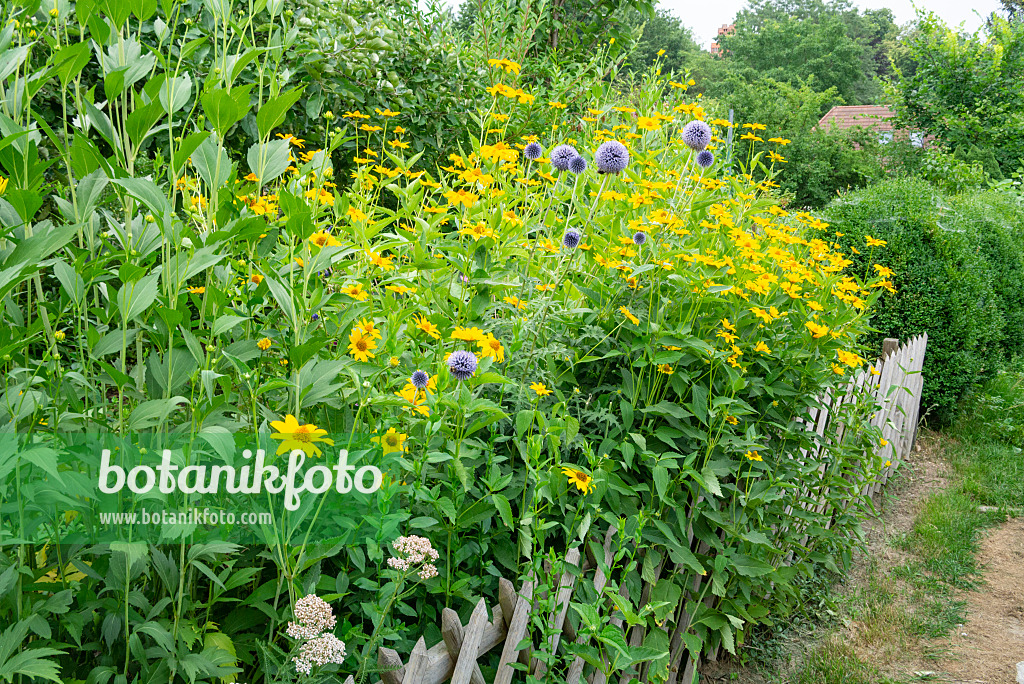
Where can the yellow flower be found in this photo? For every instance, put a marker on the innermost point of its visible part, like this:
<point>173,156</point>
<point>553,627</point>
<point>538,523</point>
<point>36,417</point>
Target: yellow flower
<point>264,344</point>
<point>197,290</point>
<point>816,329</point>
<point>368,329</point>
<point>874,242</point>
<point>666,368</point>
<point>583,482</point>
<point>401,289</point>
<point>461,196</point>
<point>629,315</point>
<point>380,261</point>
<point>295,436</point>
<point>849,358</point>
<point>491,346</point>
<point>514,301</point>
<point>762,347</point>
<point>426,326</point>
<point>392,441</point>
<point>355,291</point>
<point>298,142</point>
<point>324,239</point>
<point>399,144</point>
<point>753,456</point>
<point>468,334</point>
<point>540,389</point>
<point>884,442</point>
<point>361,345</point>
<point>647,123</point>
<point>478,231</point>
<point>255,279</point>
<point>355,214</point>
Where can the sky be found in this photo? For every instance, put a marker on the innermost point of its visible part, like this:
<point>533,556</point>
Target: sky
<point>704,18</point>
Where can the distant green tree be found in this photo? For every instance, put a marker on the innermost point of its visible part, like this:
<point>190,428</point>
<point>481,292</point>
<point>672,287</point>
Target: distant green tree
<point>663,32</point>
<point>965,89</point>
<point>826,44</point>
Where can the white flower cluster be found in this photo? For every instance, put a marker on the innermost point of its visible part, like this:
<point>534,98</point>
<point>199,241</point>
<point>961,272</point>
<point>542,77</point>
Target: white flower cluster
<point>413,551</point>
<point>322,650</point>
<point>314,618</point>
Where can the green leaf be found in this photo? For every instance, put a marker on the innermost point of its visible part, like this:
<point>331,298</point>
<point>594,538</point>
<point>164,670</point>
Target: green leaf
<point>222,110</point>
<point>154,412</point>
<point>749,567</point>
<point>272,113</point>
<point>711,481</point>
<point>134,298</point>
<point>504,509</point>
<point>268,161</point>
<point>146,192</point>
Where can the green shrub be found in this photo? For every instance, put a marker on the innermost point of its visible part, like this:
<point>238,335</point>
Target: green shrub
<point>945,283</point>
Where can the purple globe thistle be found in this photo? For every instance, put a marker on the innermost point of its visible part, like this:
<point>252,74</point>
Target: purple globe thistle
<point>578,165</point>
<point>562,156</point>
<point>462,365</point>
<point>419,379</point>
<point>696,135</point>
<point>705,158</point>
<point>611,157</point>
<point>639,238</point>
<point>533,151</point>
<point>571,238</point>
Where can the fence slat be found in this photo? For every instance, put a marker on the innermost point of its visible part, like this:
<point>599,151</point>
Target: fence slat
<point>516,632</point>
<point>465,644</point>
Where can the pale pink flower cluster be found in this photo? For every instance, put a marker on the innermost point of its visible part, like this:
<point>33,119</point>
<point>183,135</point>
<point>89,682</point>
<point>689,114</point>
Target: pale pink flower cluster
<point>314,618</point>
<point>412,551</point>
<point>322,650</point>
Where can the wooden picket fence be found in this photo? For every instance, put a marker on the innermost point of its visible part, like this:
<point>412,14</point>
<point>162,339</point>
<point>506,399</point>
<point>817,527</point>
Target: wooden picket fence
<point>894,383</point>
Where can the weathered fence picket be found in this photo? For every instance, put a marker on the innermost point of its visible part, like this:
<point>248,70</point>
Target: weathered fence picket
<point>894,383</point>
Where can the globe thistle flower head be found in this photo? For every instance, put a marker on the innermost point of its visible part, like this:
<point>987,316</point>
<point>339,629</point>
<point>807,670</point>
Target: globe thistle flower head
<point>462,365</point>
<point>533,151</point>
<point>705,158</point>
<point>562,156</point>
<point>578,165</point>
<point>571,238</point>
<point>696,135</point>
<point>639,238</point>
<point>419,379</point>
<point>611,157</point>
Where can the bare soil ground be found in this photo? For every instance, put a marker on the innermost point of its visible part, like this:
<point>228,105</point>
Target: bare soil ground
<point>991,643</point>
<point>984,651</point>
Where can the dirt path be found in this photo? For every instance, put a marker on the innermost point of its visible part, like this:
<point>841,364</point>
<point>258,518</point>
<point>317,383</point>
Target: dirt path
<point>984,651</point>
<point>992,642</point>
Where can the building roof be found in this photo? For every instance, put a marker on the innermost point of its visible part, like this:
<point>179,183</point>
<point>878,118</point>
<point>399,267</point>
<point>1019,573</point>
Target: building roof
<point>853,116</point>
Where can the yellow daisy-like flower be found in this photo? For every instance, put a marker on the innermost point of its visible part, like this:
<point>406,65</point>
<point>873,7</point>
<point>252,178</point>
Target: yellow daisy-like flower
<point>629,315</point>
<point>540,389</point>
<point>461,196</point>
<point>583,482</point>
<point>514,301</point>
<point>264,344</point>
<point>647,123</point>
<point>468,334</point>
<point>361,345</point>
<point>666,368</point>
<point>355,291</point>
<point>302,437</point>
<point>491,346</point>
<point>368,328</point>
<point>426,326</point>
<point>391,441</point>
<point>323,239</point>
<point>197,290</point>
<point>401,289</point>
<point>753,456</point>
<point>816,329</point>
<point>874,242</point>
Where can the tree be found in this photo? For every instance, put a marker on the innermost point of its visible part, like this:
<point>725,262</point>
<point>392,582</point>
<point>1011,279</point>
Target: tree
<point>826,44</point>
<point>663,32</point>
<point>965,89</point>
